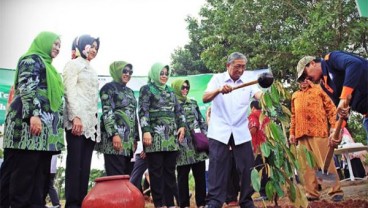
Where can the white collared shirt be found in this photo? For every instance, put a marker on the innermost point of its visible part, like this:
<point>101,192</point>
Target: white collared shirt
<point>229,111</point>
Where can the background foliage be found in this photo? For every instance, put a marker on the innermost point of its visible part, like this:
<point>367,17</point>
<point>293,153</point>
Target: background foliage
<point>273,34</point>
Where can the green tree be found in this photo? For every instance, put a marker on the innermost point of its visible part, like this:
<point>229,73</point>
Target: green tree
<point>355,127</point>
<point>273,34</point>
<point>187,60</point>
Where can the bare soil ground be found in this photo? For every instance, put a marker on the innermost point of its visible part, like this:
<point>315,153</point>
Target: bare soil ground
<point>355,196</point>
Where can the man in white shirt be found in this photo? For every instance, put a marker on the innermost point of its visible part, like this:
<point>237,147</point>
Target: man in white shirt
<point>229,128</point>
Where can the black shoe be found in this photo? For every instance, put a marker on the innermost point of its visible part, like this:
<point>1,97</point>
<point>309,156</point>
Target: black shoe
<point>337,198</point>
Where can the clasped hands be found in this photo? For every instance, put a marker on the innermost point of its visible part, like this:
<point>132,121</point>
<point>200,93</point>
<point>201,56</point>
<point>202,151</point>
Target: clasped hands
<point>147,137</point>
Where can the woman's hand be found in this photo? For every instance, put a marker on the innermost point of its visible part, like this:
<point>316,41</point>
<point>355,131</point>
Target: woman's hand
<point>181,134</point>
<point>292,140</point>
<point>147,139</point>
<point>142,155</point>
<point>77,128</point>
<point>35,125</point>
<point>332,141</point>
<point>116,142</point>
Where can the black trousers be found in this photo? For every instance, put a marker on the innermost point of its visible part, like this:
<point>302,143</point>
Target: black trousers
<point>220,168</point>
<point>117,164</point>
<point>78,166</point>
<point>52,191</point>
<point>27,173</point>
<point>140,166</point>
<point>198,170</point>
<point>161,168</point>
<point>4,181</point>
<point>233,185</point>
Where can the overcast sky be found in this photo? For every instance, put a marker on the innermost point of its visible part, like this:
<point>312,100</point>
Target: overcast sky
<point>138,31</point>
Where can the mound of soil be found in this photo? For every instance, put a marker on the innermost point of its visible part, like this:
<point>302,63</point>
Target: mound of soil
<point>356,203</point>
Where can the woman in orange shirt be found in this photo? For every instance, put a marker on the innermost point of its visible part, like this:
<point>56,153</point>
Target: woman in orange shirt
<point>310,110</point>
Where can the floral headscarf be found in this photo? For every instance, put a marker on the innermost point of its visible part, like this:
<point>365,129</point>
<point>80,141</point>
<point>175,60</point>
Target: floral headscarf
<point>82,44</point>
<point>42,46</point>
<point>154,75</point>
<point>116,69</point>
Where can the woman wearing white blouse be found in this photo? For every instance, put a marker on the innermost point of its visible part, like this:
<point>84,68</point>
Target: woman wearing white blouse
<point>80,117</point>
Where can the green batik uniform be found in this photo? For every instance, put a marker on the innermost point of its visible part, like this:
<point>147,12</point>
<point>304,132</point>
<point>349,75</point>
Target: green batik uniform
<point>160,114</point>
<point>31,99</point>
<point>118,118</point>
<point>187,154</point>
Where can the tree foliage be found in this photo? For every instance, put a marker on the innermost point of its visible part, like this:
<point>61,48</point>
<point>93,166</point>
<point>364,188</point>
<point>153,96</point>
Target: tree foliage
<point>355,128</point>
<point>187,60</point>
<point>95,173</point>
<point>60,182</point>
<point>273,34</point>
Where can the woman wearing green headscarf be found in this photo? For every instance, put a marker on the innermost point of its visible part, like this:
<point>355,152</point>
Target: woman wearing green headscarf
<point>189,158</point>
<point>33,125</point>
<point>119,124</point>
<point>163,126</point>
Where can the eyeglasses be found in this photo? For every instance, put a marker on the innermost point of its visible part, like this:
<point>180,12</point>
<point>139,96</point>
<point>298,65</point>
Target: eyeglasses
<point>164,74</point>
<point>239,66</point>
<point>185,87</point>
<point>127,71</point>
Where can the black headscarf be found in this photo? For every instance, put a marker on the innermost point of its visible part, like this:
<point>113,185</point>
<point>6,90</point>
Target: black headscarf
<point>81,45</point>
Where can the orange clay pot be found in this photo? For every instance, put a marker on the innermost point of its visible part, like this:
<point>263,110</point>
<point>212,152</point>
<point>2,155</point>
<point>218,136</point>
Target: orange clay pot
<point>114,192</point>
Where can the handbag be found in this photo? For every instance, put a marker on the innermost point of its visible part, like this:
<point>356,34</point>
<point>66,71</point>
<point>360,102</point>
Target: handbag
<point>200,141</point>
